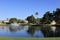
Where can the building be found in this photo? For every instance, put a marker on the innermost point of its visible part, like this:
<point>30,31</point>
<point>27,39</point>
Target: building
<point>0,21</point>
<point>4,21</point>
<point>25,21</point>
<point>53,22</point>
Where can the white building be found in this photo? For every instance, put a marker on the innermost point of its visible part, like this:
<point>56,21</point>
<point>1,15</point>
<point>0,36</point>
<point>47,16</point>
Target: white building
<point>53,22</point>
<point>0,21</point>
<point>4,21</point>
<point>25,21</point>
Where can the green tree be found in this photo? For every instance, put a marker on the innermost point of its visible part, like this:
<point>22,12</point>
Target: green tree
<point>19,21</point>
<point>22,21</point>
<point>36,14</point>
<point>38,20</point>
<point>47,18</point>
<point>57,15</point>
<point>12,20</point>
<point>31,19</point>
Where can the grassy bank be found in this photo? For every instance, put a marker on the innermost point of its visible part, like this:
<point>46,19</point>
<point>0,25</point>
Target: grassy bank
<point>10,38</point>
<point>4,24</point>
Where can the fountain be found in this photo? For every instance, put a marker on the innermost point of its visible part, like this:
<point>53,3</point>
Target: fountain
<point>14,26</point>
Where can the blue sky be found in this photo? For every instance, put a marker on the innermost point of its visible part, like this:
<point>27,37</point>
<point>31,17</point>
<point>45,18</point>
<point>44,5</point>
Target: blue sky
<point>23,8</point>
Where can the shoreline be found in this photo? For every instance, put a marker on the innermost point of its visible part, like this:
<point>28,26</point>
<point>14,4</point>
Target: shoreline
<point>14,38</point>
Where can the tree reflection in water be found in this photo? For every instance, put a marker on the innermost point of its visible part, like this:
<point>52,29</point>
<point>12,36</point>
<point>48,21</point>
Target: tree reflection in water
<point>12,30</point>
<point>35,31</point>
<point>45,31</point>
<point>31,30</point>
<point>48,32</point>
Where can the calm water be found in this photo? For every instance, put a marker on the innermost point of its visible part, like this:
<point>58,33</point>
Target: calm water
<point>21,31</point>
<point>30,31</point>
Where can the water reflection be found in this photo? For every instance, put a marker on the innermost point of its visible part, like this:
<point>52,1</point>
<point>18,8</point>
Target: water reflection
<point>53,28</point>
<point>35,31</point>
<point>38,33</point>
<point>30,31</point>
<point>16,28</point>
<point>55,31</point>
<point>21,31</point>
<point>51,31</point>
<point>6,28</point>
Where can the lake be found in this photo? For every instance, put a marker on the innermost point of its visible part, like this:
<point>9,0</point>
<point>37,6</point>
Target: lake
<point>30,31</point>
<point>21,31</point>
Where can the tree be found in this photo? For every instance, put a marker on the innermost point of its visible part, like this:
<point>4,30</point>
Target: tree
<point>19,21</point>
<point>47,18</point>
<point>12,20</point>
<point>36,14</point>
<point>31,19</point>
<point>57,15</point>
<point>22,21</point>
<point>38,20</point>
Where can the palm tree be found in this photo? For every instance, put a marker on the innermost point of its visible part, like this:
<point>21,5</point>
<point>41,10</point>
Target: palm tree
<point>36,14</point>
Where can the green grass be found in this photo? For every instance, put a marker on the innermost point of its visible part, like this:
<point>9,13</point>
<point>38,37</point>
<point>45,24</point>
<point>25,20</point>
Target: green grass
<point>10,38</point>
<point>3,24</point>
